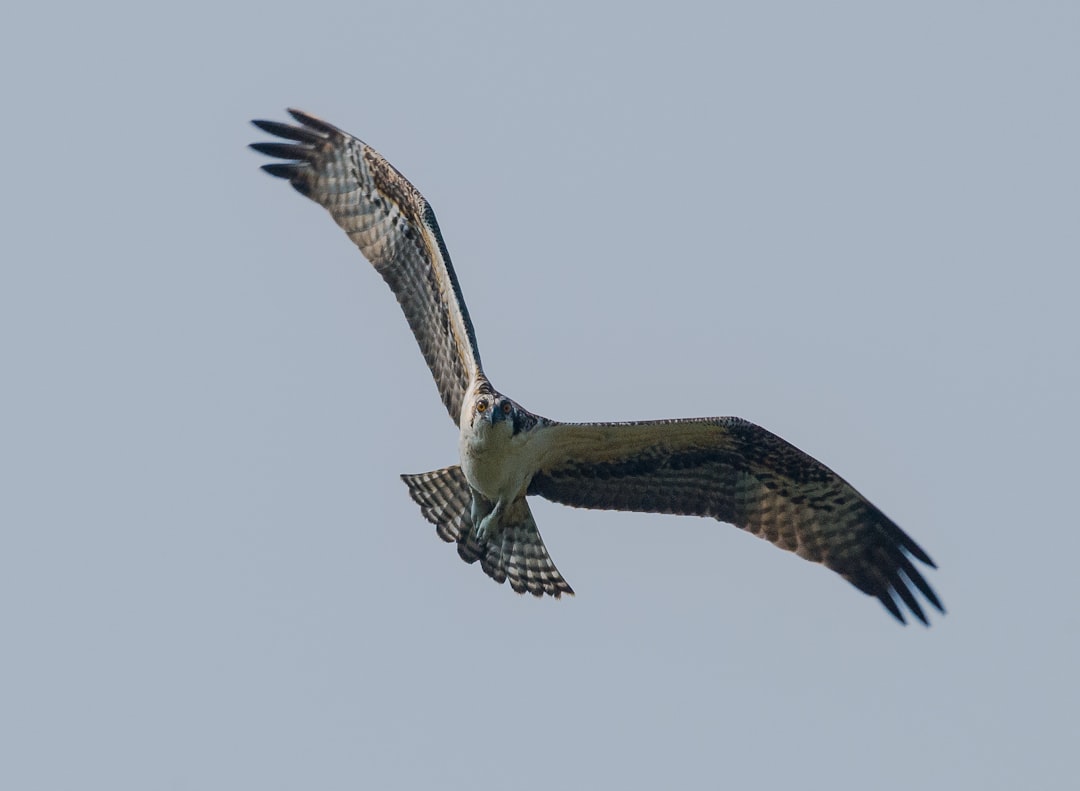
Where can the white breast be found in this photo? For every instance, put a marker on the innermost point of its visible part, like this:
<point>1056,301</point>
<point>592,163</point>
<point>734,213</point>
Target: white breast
<point>496,463</point>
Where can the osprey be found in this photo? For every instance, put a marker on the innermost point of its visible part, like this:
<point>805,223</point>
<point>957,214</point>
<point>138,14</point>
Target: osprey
<point>722,467</point>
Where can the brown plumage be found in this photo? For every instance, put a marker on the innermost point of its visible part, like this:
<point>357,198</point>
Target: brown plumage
<point>724,467</point>
<point>395,229</point>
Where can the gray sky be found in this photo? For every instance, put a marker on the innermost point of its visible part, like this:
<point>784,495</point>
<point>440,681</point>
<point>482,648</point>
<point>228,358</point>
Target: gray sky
<point>855,226</point>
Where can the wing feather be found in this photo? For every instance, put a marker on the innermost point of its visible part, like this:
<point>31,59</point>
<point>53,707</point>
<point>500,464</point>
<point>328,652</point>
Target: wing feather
<point>732,470</point>
<point>396,230</point>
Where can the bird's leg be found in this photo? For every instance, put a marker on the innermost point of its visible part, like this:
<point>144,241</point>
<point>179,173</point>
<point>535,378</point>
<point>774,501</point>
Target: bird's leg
<point>488,523</point>
<point>480,508</point>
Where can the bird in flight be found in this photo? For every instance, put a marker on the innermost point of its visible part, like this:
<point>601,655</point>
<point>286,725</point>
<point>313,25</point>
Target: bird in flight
<point>721,467</point>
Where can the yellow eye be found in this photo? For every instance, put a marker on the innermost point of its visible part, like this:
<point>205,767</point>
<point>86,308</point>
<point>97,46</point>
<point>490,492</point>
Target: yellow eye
<point>481,406</point>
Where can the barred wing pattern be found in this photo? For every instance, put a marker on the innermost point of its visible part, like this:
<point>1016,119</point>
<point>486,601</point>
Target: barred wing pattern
<point>395,229</point>
<point>734,471</point>
<point>725,468</point>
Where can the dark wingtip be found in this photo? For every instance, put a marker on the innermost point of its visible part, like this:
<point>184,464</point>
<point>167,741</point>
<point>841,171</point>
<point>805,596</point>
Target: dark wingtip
<point>903,589</point>
<point>900,581</point>
<point>282,170</point>
<point>912,603</point>
<point>288,132</point>
<point>281,150</point>
<point>915,578</point>
<point>266,126</point>
<point>311,122</point>
<point>886,599</point>
<point>917,552</point>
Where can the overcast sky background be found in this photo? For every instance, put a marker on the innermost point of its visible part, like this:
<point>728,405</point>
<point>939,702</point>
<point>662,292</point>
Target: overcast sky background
<point>854,225</point>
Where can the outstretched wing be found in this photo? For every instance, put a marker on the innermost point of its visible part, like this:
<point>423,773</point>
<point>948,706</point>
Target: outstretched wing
<point>395,229</point>
<point>737,472</point>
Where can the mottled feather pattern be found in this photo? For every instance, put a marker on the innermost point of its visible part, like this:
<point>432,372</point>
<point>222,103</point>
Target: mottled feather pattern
<point>516,552</point>
<point>395,229</point>
<point>734,471</point>
<point>725,468</point>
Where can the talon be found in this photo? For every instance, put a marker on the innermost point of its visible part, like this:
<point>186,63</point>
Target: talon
<point>482,528</point>
<point>489,522</point>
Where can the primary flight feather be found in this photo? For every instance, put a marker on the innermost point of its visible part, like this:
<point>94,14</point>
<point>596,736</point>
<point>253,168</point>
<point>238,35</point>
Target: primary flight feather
<point>723,467</point>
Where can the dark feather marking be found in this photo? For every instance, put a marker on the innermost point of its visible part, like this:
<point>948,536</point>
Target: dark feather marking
<point>397,188</point>
<point>289,132</point>
<point>281,169</point>
<point>311,122</point>
<point>397,231</point>
<point>522,419</point>
<point>282,150</point>
<point>751,478</point>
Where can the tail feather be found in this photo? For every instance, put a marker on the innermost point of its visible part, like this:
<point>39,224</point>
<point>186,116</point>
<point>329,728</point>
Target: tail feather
<point>515,551</point>
<point>445,499</point>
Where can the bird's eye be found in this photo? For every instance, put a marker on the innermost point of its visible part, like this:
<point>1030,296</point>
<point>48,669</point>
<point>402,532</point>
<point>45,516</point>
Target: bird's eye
<point>481,406</point>
<point>506,407</point>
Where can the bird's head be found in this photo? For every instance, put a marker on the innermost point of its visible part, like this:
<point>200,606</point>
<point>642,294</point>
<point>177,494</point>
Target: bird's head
<point>493,411</point>
<point>492,408</point>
